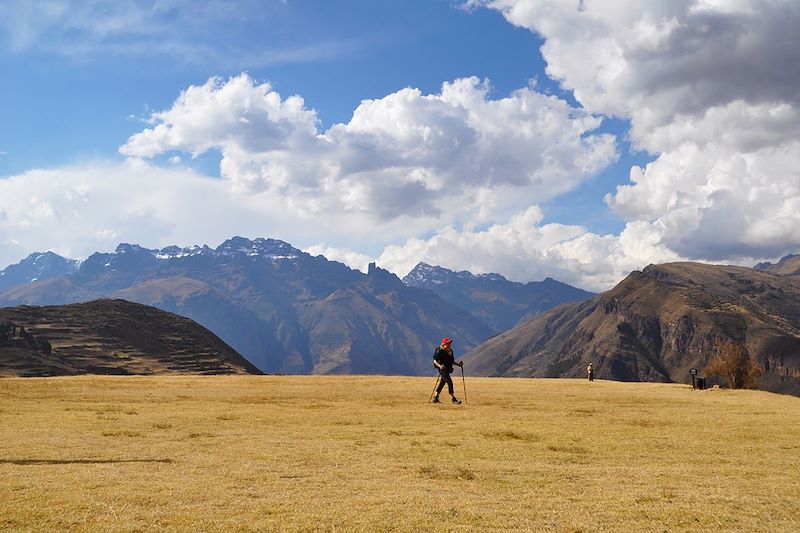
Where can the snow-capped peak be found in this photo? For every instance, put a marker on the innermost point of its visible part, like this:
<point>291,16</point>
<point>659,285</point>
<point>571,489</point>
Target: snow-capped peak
<point>176,252</point>
<point>266,248</point>
<point>424,273</point>
<point>38,266</point>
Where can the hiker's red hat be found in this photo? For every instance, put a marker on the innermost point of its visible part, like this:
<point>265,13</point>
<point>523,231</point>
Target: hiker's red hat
<point>447,340</point>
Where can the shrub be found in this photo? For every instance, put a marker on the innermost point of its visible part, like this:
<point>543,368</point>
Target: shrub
<point>732,362</point>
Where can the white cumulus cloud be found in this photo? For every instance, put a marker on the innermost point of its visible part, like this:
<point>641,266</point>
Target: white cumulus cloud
<point>524,249</point>
<point>710,87</point>
<point>454,156</point>
<point>78,210</point>
<point>350,258</point>
<point>653,61</point>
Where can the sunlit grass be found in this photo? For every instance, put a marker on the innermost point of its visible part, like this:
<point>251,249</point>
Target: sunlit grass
<point>368,453</point>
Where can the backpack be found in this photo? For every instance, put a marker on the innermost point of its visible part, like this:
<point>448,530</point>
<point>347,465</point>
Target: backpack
<point>437,356</point>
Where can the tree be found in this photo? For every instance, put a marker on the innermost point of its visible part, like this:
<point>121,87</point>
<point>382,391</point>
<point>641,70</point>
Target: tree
<point>732,361</point>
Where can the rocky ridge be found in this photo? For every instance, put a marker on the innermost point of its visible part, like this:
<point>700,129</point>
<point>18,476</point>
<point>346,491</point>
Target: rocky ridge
<point>37,266</point>
<point>498,302</point>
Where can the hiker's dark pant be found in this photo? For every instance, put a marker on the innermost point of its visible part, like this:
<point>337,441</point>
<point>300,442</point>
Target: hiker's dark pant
<point>444,377</point>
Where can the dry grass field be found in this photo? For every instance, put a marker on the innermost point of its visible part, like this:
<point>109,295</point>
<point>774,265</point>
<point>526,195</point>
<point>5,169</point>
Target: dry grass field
<point>254,453</point>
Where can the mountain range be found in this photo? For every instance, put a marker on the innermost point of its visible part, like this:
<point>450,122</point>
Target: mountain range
<point>109,337</point>
<point>656,325</point>
<point>498,302</point>
<point>285,310</point>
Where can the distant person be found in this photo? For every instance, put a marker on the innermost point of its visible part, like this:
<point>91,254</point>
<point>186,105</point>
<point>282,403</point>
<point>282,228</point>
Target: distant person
<point>444,360</point>
<point>590,371</point>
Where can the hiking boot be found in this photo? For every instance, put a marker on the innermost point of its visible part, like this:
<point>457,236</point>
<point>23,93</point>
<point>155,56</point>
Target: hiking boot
<point>435,400</point>
<point>456,401</point>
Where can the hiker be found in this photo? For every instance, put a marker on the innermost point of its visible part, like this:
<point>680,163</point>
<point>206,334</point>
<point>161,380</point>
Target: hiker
<point>444,360</point>
<point>590,371</point>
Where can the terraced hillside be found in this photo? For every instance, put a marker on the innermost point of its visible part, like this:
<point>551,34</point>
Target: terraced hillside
<point>110,337</point>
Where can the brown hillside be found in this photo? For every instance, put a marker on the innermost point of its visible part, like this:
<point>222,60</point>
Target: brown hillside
<point>658,324</point>
<point>109,337</point>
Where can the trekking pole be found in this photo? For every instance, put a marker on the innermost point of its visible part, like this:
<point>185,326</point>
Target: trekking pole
<point>438,376</point>
<point>464,383</point>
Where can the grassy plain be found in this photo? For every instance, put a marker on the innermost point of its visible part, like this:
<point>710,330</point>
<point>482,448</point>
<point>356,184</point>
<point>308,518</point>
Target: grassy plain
<point>253,453</point>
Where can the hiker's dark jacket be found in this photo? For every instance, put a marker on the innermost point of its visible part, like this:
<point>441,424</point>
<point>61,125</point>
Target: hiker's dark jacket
<point>445,357</point>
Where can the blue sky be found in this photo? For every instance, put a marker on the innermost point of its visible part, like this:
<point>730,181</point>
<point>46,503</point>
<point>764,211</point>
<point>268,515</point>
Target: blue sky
<point>502,127</point>
<point>73,105</point>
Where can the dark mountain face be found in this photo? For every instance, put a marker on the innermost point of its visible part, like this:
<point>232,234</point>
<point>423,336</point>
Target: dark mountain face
<point>787,266</point>
<point>110,337</point>
<point>491,297</point>
<point>35,267</point>
<point>379,325</point>
<point>283,309</point>
<point>658,324</point>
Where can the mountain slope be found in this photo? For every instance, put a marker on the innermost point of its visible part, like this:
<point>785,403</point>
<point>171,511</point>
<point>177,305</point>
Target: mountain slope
<point>657,324</point>
<point>381,326</point>
<point>491,297</point>
<point>242,328</point>
<point>109,337</point>
<point>787,266</point>
<point>37,266</point>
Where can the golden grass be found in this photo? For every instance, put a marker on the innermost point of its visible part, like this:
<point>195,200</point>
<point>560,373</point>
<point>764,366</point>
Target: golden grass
<point>247,453</point>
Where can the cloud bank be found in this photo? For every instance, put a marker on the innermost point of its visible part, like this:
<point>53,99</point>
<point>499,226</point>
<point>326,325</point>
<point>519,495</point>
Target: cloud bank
<point>78,210</point>
<point>711,87</point>
<point>91,207</point>
<point>525,249</point>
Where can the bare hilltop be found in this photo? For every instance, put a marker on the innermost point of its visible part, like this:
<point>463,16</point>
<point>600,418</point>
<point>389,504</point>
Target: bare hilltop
<point>109,337</point>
